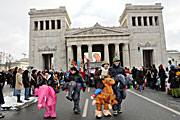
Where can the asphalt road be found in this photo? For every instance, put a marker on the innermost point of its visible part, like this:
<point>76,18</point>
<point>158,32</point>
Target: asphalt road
<point>134,108</point>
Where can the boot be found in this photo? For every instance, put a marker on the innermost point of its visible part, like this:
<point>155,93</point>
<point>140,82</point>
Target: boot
<point>18,99</point>
<point>76,108</point>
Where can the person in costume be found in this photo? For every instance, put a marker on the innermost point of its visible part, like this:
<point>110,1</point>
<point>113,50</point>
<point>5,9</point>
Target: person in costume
<point>74,83</point>
<point>51,83</point>
<point>118,73</point>
<point>99,76</point>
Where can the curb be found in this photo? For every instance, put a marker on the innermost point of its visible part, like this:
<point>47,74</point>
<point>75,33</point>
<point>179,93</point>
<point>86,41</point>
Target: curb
<point>21,106</point>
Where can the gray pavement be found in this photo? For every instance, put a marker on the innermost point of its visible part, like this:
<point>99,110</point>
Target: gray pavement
<point>134,108</point>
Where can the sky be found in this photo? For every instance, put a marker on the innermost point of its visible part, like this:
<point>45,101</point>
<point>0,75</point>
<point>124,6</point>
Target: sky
<point>14,19</point>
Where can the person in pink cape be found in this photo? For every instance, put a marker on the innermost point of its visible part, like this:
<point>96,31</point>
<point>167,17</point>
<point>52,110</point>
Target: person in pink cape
<point>47,88</point>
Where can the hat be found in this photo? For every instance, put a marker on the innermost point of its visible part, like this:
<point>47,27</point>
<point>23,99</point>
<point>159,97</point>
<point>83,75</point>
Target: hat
<point>104,62</point>
<point>172,66</point>
<point>116,59</point>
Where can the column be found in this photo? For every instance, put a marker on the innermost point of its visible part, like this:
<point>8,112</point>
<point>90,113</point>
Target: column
<point>79,53</point>
<point>50,25</point>
<point>117,50</point>
<point>147,20</point>
<point>136,20</point>
<point>153,21</point>
<point>126,55</point>
<point>38,25</point>
<point>55,23</point>
<point>106,52</point>
<point>69,55</point>
<point>70,52</point>
<point>142,22</point>
<point>90,51</point>
<point>44,25</point>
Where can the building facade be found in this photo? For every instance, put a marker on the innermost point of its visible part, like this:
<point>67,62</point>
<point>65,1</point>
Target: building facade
<point>173,57</point>
<point>4,57</point>
<point>139,40</point>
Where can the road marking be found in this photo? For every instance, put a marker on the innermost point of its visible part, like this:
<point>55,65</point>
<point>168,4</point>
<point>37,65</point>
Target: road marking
<point>89,89</point>
<point>85,108</point>
<point>163,106</point>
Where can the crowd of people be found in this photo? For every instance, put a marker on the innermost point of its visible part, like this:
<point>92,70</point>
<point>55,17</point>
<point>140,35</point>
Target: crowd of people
<point>73,82</point>
<point>28,80</point>
<point>160,79</point>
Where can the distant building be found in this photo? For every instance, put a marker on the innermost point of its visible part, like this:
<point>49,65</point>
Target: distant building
<point>23,63</point>
<point>139,40</point>
<point>173,57</point>
<point>4,57</point>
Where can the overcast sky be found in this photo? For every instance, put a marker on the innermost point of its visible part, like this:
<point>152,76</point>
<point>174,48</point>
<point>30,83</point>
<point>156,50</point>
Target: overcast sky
<point>14,19</point>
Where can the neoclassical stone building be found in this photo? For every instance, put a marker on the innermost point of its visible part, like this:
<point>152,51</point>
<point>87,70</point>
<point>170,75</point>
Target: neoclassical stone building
<point>138,40</point>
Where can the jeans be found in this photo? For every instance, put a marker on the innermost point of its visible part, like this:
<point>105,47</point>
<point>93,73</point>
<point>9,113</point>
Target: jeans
<point>14,93</point>
<point>119,98</point>
<point>0,107</point>
<point>18,92</point>
<point>26,94</point>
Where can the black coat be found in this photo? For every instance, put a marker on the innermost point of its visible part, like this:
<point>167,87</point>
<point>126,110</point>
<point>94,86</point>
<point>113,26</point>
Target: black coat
<point>26,81</point>
<point>140,77</point>
<point>172,79</point>
<point>162,74</point>
<point>134,73</point>
<point>154,73</point>
<point>1,94</point>
<point>34,79</point>
<point>115,70</point>
<point>2,78</point>
<point>77,77</point>
<point>14,79</point>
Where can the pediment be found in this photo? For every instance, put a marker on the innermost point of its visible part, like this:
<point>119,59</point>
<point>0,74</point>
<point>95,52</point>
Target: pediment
<point>97,30</point>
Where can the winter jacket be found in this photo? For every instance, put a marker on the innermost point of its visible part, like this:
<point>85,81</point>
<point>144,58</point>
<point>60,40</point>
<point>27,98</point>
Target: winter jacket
<point>134,73</point>
<point>154,73</point>
<point>75,77</point>
<point>115,70</point>
<point>26,81</point>
<point>33,79</point>
<point>19,82</point>
<point>139,77</point>
<point>2,78</point>
<point>172,79</point>
<point>1,95</point>
<point>14,79</point>
<point>162,74</point>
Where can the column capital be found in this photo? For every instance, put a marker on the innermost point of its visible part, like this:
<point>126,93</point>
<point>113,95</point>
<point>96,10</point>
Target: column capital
<point>105,44</point>
<point>126,43</point>
<point>79,45</point>
<point>90,44</point>
<point>116,43</point>
<point>69,45</point>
